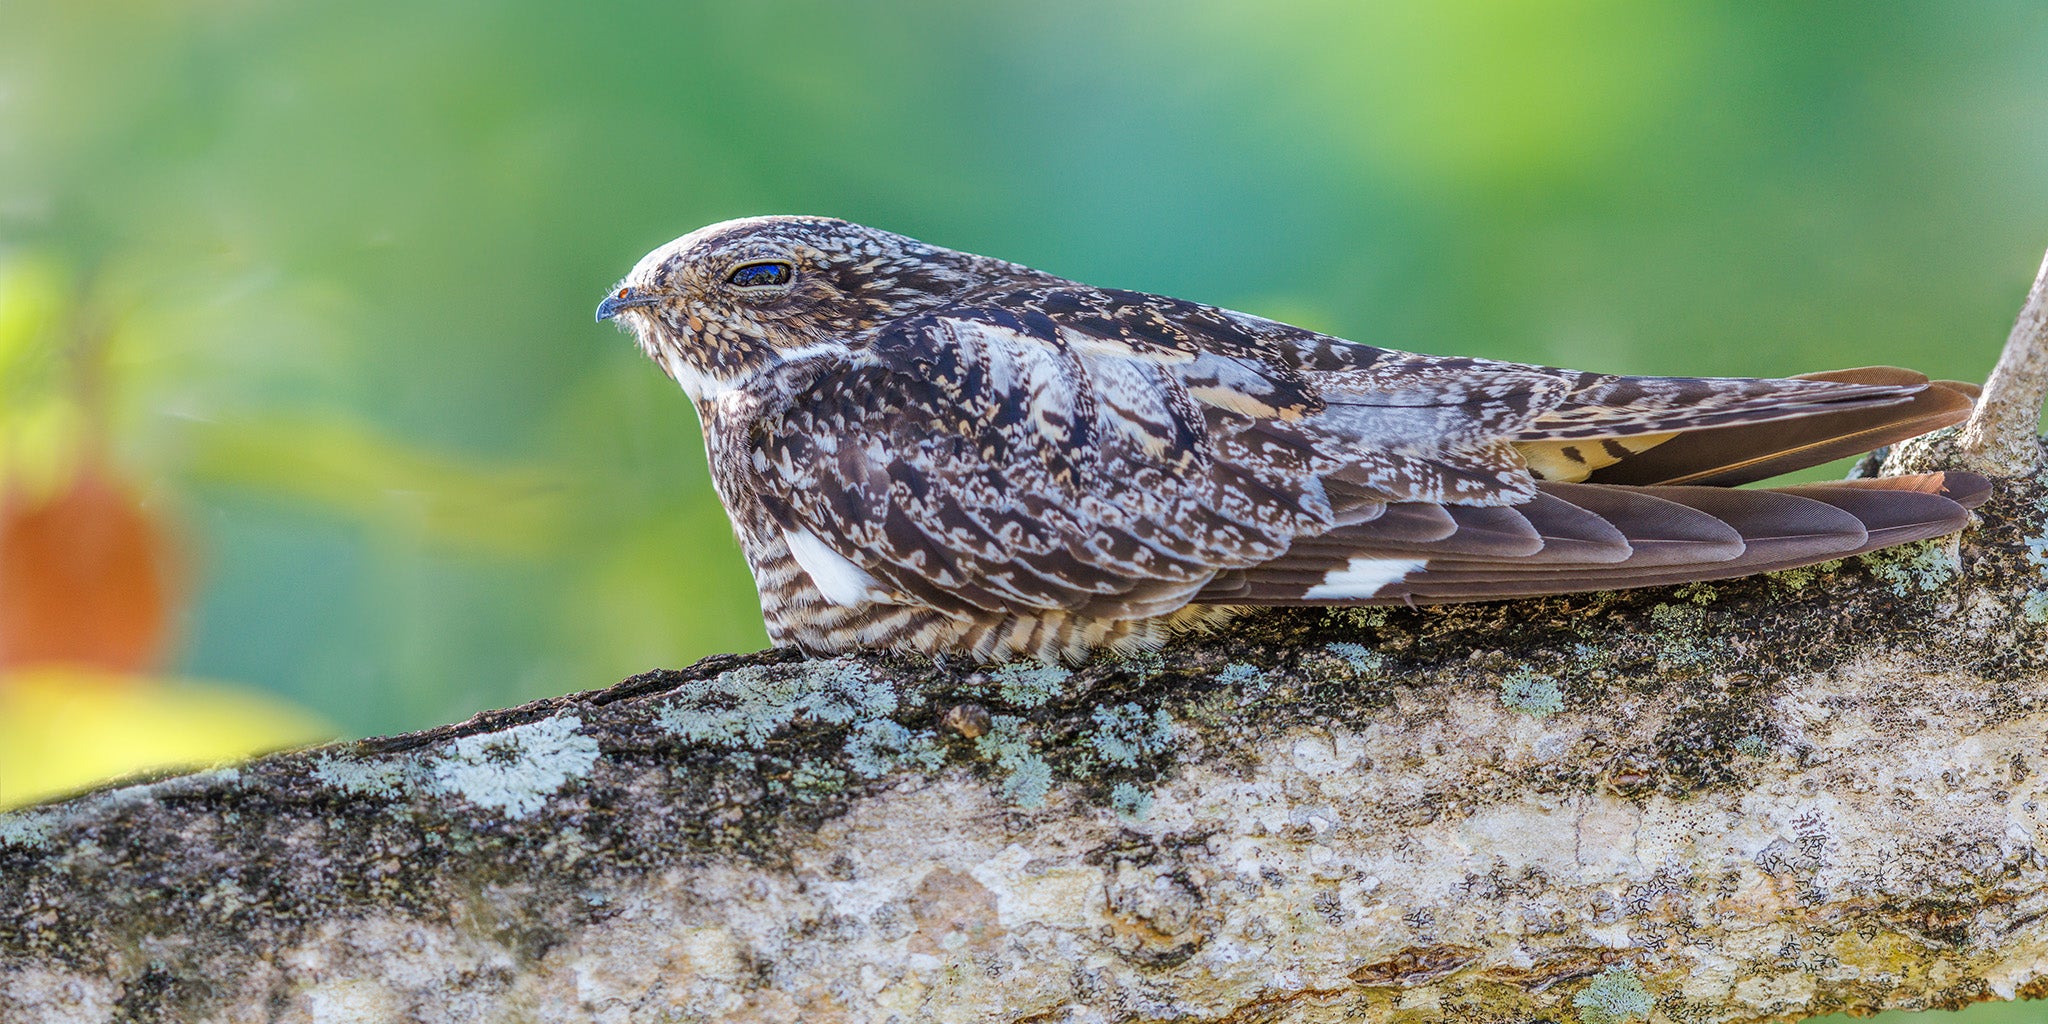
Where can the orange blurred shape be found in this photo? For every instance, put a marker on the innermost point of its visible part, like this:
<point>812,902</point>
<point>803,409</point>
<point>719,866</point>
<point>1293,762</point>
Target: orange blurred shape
<point>85,578</point>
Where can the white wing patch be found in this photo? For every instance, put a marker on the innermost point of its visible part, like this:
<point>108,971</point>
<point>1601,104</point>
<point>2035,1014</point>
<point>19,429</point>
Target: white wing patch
<point>1363,577</point>
<point>842,582</point>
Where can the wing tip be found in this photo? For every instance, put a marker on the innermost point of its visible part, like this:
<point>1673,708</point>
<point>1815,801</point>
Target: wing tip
<point>1966,489</point>
<point>1962,487</point>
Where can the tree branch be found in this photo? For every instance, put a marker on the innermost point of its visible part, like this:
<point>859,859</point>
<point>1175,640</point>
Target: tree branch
<point>2003,437</point>
<point>1767,799</point>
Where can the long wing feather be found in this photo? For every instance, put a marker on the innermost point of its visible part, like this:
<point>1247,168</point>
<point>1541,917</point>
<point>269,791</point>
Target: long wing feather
<point>1730,456</point>
<point>1672,535</point>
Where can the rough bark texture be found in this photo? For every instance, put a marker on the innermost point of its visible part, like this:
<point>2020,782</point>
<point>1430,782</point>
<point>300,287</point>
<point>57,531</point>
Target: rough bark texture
<point>1798,794</point>
<point>2000,439</point>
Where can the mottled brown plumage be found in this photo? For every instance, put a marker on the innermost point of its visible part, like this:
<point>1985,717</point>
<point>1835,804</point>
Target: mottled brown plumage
<point>929,450</point>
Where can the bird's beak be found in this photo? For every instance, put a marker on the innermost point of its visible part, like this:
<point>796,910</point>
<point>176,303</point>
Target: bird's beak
<point>624,298</point>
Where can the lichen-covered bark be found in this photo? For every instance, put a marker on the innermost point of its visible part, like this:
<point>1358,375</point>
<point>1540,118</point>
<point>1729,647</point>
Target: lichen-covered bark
<point>1761,800</point>
<point>1768,799</point>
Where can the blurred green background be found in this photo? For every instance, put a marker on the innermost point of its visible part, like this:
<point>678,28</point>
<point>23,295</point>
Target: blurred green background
<point>314,281</point>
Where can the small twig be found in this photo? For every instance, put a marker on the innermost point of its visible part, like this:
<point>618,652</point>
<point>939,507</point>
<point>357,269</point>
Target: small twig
<point>2002,437</point>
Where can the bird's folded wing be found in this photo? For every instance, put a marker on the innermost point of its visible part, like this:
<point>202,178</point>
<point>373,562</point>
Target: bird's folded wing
<point>1118,455</point>
<point>989,461</point>
<point>1604,537</point>
<point>1099,453</point>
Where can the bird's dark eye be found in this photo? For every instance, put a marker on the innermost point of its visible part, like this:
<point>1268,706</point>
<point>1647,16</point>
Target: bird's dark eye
<point>761,275</point>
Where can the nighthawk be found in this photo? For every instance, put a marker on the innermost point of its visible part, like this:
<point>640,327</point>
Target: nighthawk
<point>934,451</point>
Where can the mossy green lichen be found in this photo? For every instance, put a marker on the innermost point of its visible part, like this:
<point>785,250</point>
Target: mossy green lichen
<point>1125,733</point>
<point>1213,709</point>
<point>2034,607</point>
<point>1673,616</point>
<point>1130,802</point>
<point>516,770</point>
<point>1362,659</point>
<point>1682,637</point>
<point>1615,996</point>
<point>1366,618</point>
<point>1926,566</point>
<point>1027,778</point>
<point>1799,579</point>
<point>1538,696</point>
<point>814,779</point>
<point>747,705</point>
<point>1696,593</point>
<point>1031,684</point>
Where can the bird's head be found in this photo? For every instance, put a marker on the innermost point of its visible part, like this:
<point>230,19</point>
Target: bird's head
<point>727,301</point>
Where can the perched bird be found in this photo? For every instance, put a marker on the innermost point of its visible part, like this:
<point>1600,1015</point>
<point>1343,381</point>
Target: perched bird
<point>933,451</point>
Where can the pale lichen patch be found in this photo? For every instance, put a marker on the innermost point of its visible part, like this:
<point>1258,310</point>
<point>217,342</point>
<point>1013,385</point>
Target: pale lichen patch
<point>1616,996</point>
<point>746,705</point>
<point>1130,802</point>
<point>1027,777</point>
<point>2034,606</point>
<point>1538,696</point>
<point>1924,567</point>
<point>1031,684</point>
<point>517,769</point>
<point>1588,656</point>
<point>27,828</point>
<point>384,778</point>
<point>877,747</point>
<point>1143,665</point>
<point>1124,734</point>
<point>1029,781</point>
<point>1249,678</point>
<point>1361,659</point>
<point>2036,514</point>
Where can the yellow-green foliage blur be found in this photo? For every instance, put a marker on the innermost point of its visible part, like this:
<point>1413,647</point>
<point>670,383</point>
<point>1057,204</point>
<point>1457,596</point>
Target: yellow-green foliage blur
<point>295,298</point>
